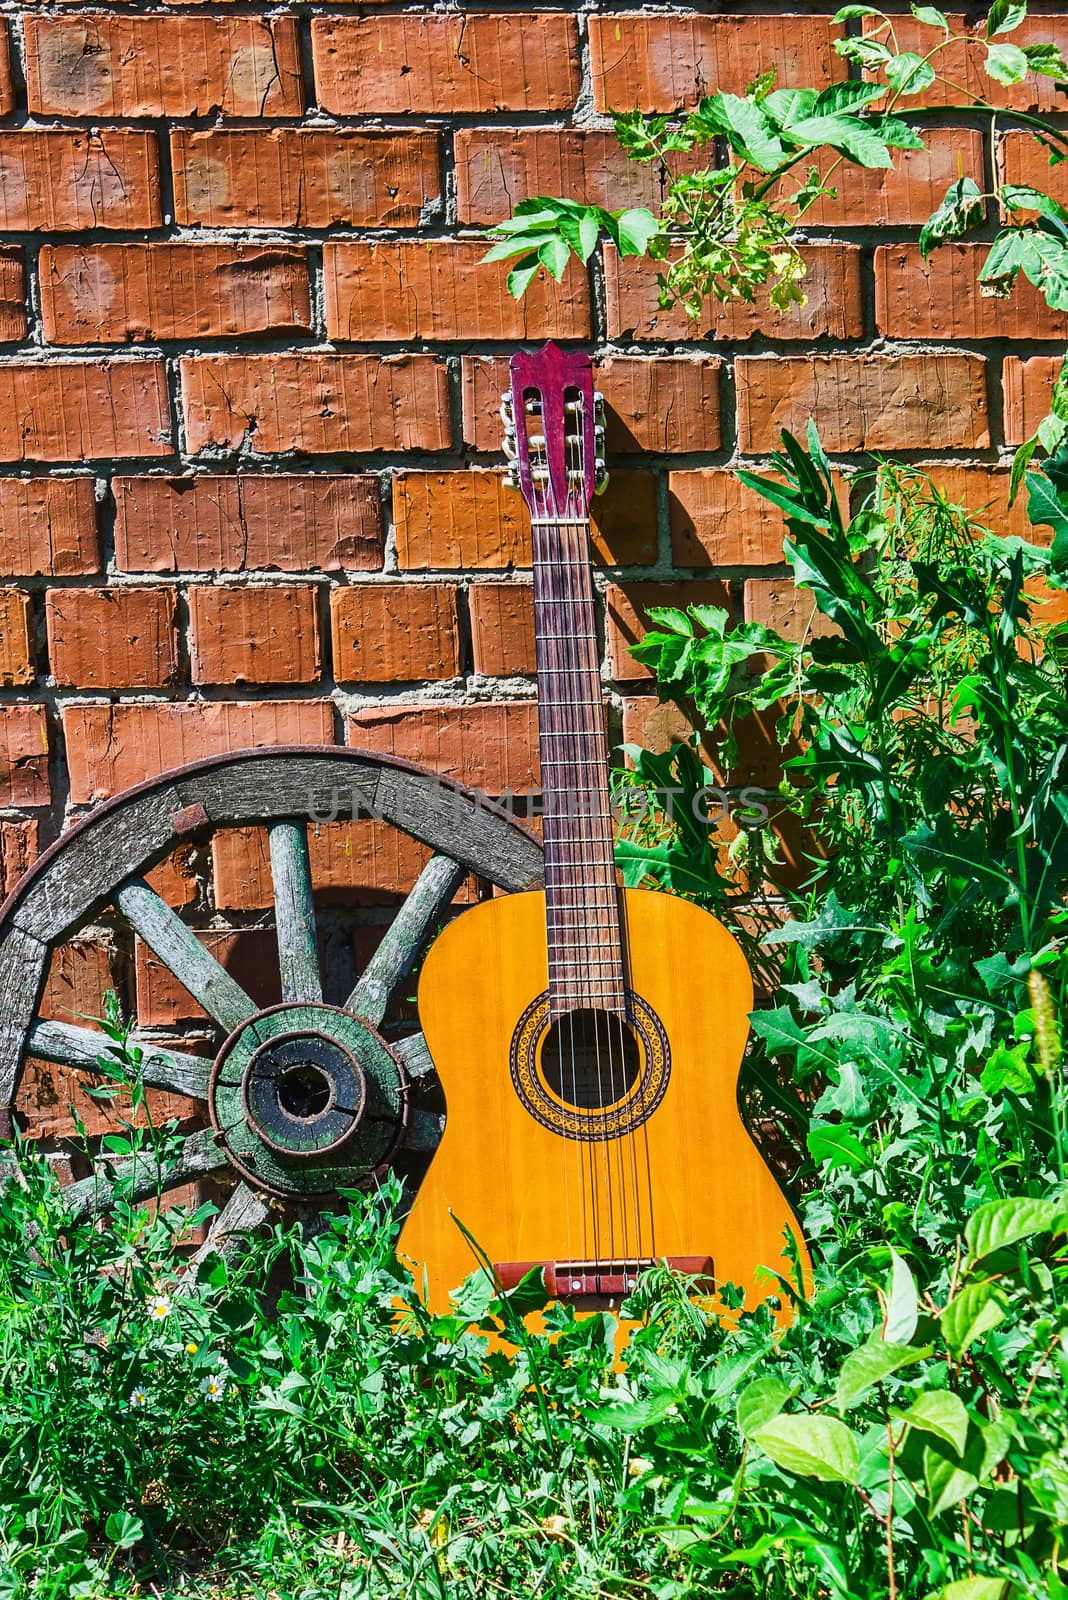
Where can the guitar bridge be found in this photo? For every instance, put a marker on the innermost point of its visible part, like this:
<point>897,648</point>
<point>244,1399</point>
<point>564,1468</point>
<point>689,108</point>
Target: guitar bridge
<point>572,1280</point>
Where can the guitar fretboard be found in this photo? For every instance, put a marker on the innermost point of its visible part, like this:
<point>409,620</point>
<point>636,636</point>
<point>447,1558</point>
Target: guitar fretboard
<point>582,899</point>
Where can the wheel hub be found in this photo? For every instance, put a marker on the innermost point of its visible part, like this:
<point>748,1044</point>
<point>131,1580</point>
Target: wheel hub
<point>307,1099</point>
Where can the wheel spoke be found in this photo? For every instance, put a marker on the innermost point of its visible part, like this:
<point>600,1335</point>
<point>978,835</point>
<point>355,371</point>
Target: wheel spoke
<point>242,1214</point>
<point>414,1055</point>
<point>183,954</point>
<point>141,1173</point>
<point>82,1048</point>
<point>406,938</point>
<point>294,912</point>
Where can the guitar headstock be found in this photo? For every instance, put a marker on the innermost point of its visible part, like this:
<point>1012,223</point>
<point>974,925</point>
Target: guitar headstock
<point>554,432</point>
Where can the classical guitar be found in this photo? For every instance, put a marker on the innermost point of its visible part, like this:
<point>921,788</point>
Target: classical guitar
<point>588,1038</point>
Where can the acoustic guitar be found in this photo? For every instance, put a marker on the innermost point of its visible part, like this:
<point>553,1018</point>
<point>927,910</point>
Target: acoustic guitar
<point>588,1038</point>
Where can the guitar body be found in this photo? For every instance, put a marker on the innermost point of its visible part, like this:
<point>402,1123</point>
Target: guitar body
<point>683,1180</point>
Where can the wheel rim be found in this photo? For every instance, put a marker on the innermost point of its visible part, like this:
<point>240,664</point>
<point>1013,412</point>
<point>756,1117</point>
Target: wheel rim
<point>101,862</point>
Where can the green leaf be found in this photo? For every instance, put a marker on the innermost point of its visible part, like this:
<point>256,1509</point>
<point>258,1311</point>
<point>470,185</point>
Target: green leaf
<point>941,1412</point>
<point>961,210</point>
<point>812,1446</point>
<point>634,229</point>
<point>555,255</point>
<point>902,1302</point>
<point>832,1146</point>
<point>875,1360</point>
<point>1020,197</point>
<point>971,1589</point>
<point>1006,63</point>
<point>1045,509</point>
<point>856,139</point>
<point>974,1311</point>
<point>909,73</point>
<point>520,276</point>
<point>760,1402</point>
<point>932,16</point>
<point>1048,59</point>
<point>746,129</point>
<point>1003,1222</point>
<point>124,1529</point>
<point>1004,16</point>
<point>851,13</point>
<point>589,229</point>
<point>947,1482</point>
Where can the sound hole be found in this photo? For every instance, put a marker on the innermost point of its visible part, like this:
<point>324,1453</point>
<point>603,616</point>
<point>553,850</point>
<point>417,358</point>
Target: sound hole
<point>590,1059</point>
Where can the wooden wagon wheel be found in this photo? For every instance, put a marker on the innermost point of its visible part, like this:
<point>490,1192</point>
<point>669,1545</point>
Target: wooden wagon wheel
<point>304,1097</point>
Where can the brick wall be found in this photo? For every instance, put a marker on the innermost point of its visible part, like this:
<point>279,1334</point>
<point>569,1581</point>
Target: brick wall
<point>249,367</point>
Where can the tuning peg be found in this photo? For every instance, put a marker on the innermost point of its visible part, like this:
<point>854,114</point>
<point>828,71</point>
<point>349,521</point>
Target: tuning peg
<point>511,479</point>
<point>506,400</point>
<point>600,476</point>
<point>509,446</point>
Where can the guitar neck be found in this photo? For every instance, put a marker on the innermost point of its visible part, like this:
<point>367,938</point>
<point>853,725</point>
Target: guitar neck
<point>582,898</point>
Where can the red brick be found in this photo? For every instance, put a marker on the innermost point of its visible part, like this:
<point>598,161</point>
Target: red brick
<point>245,521</point>
<point>160,66</point>
<point>778,604</point>
<point>717,522</point>
<point>491,747</point>
<point>48,527</point>
<point>498,167</point>
<point>62,181</point>
<point>502,628</point>
<point>83,410</point>
<point>395,632</point>
<point>902,402</point>
<point>832,306</point>
<point>23,756</point>
<point>7,87</point>
<point>249,955</point>
<point>1028,386</point>
<point>942,298</point>
<point>524,61</point>
<point>132,293</point>
<point>655,63</point>
<point>303,177</point>
<point>260,635</point>
<point>18,852</point>
<point>112,638</point>
<point>626,620</point>
<point>656,404</point>
<point>440,290</point>
<point>17,664</point>
<point>79,976</point>
<point>175,878</point>
<point>316,403</point>
<point>962,63</point>
<point>451,520</point>
<point>112,747</point>
<point>12,297</point>
<point>1021,159</point>
<point>900,196</point>
<point>354,860</point>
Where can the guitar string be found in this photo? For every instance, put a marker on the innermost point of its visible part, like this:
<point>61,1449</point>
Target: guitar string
<point>594,845</point>
<point>570,735</point>
<point>596,786</point>
<point>540,580</point>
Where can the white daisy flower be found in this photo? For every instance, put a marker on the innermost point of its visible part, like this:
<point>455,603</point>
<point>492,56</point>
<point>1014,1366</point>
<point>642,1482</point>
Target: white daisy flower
<point>212,1388</point>
<point>159,1308</point>
<point>138,1398</point>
